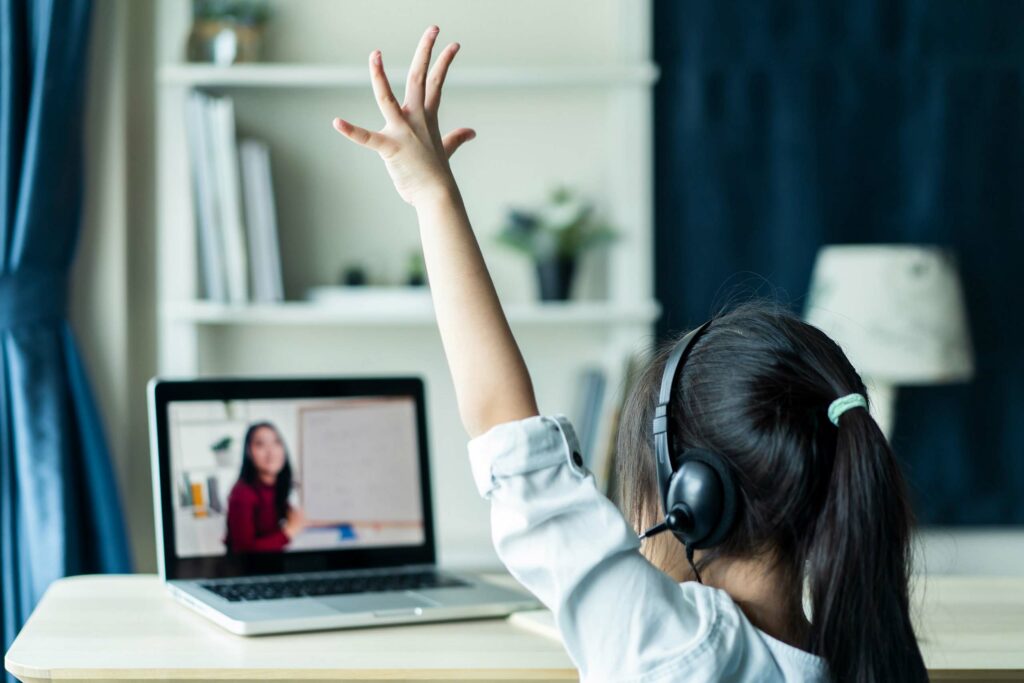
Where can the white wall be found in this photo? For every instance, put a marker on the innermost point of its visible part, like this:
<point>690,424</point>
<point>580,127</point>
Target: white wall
<point>112,289</point>
<point>113,300</point>
<point>336,203</point>
<point>99,284</point>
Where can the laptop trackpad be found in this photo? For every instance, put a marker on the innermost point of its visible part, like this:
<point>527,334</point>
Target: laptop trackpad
<point>375,602</point>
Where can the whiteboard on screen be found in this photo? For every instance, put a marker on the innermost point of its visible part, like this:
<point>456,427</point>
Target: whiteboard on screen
<point>360,462</point>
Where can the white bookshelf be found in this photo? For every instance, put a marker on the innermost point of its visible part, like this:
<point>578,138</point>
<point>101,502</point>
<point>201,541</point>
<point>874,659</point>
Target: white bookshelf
<point>580,111</point>
<point>355,76</point>
<point>302,313</point>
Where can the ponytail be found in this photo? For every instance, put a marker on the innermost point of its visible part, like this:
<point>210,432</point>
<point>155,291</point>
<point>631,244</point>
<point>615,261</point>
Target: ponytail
<point>858,563</point>
<point>825,499</point>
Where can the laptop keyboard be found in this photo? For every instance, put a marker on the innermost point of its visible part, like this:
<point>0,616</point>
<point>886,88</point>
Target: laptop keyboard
<point>249,589</point>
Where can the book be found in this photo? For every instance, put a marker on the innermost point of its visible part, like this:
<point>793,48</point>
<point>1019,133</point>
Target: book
<point>621,375</point>
<point>236,216</point>
<point>213,492</point>
<point>539,621</point>
<point>587,415</point>
<point>211,251</point>
<point>184,491</point>
<point>261,222</point>
<point>273,246</point>
<point>221,111</point>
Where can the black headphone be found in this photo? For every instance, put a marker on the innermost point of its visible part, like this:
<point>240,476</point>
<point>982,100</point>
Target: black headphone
<point>699,498</point>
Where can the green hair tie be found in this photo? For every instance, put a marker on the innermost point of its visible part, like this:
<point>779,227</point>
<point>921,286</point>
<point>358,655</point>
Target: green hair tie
<point>844,403</point>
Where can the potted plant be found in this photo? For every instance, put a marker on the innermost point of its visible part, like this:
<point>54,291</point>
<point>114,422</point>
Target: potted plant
<point>555,236</point>
<point>222,454</point>
<point>227,32</point>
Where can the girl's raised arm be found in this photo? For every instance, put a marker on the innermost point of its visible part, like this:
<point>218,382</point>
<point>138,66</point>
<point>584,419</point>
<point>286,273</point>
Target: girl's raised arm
<point>492,384</point>
<point>543,501</point>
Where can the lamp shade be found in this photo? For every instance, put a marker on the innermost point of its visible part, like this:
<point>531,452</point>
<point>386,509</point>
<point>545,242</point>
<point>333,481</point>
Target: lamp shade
<point>896,310</point>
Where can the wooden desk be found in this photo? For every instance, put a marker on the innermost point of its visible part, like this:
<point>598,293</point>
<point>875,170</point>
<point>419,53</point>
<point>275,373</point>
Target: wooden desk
<point>971,628</point>
<point>127,628</point>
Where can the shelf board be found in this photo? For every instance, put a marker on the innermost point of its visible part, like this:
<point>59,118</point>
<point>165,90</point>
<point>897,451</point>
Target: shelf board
<point>306,313</point>
<point>352,76</point>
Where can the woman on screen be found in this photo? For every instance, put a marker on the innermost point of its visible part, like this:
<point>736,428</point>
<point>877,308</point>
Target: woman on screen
<point>259,516</point>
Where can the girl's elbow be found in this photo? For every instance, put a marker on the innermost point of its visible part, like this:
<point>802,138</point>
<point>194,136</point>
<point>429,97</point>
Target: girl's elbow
<point>474,422</point>
<point>480,420</point>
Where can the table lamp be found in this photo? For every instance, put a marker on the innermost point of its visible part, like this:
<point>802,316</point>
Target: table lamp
<point>898,313</point>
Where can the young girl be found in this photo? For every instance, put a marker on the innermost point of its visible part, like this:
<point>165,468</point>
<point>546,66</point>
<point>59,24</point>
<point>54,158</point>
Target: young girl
<point>260,518</point>
<point>819,501</point>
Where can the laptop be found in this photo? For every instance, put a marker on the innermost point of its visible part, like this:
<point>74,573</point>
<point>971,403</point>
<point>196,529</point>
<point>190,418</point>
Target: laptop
<point>302,504</point>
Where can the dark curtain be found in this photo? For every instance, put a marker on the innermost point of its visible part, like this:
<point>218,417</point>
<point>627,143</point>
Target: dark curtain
<point>783,126</point>
<point>59,506</point>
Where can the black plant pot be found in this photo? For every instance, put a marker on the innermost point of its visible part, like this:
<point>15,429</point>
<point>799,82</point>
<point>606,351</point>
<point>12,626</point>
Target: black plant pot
<point>555,278</point>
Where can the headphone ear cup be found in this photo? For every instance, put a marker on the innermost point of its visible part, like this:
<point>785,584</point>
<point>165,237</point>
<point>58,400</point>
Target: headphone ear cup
<point>703,486</point>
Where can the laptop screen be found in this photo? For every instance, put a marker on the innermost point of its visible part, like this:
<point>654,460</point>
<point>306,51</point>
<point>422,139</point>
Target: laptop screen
<point>288,475</point>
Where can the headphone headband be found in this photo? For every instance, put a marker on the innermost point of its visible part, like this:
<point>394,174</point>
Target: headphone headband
<point>662,412</point>
<point>699,499</point>
<point>676,360</point>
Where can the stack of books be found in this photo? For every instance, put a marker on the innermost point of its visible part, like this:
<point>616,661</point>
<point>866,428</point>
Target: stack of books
<point>239,255</point>
<point>601,394</point>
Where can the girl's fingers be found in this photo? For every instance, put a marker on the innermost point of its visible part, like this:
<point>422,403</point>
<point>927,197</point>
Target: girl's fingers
<point>432,100</point>
<point>361,136</point>
<point>414,84</point>
<point>454,140</point>
<point>382,90</point>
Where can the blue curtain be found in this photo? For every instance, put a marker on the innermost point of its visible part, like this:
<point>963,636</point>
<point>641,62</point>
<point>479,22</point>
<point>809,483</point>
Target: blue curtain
<point>783,125</point>
<point>59,507</point>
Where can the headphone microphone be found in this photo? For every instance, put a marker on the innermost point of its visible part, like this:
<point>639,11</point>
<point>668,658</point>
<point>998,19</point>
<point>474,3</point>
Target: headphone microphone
<point>699,496</point>
<point>678,520</point>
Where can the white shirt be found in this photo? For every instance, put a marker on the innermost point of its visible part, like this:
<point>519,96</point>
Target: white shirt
<point>621,618</point>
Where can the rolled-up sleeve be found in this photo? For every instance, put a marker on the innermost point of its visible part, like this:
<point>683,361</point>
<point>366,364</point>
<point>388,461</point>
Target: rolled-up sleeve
<point>619,616</point>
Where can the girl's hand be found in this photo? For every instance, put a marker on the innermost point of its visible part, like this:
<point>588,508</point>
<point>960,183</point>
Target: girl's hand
<point>295,524</point>
<point>410,143</point>
<point>491,381</point>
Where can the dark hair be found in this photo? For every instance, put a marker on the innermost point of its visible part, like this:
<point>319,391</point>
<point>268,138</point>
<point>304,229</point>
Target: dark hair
<point>249,474</point>
<point>825,505</point>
